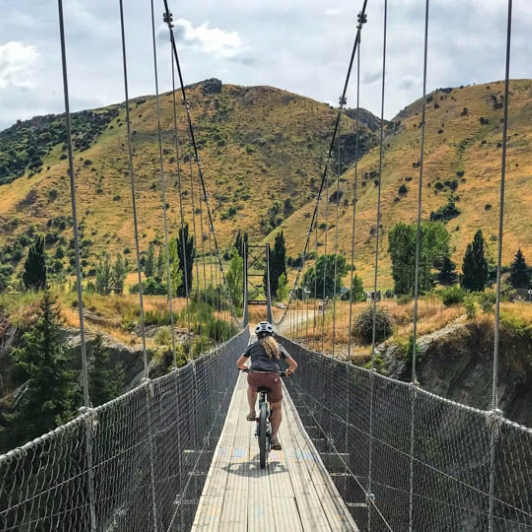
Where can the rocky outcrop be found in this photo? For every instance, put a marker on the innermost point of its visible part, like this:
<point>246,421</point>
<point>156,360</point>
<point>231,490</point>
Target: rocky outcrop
<point>457,362</point>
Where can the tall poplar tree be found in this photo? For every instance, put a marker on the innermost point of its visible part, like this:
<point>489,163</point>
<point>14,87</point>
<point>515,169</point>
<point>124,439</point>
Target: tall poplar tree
<point>186,252</point>
<point>149,263</point>
<point>277,263</point>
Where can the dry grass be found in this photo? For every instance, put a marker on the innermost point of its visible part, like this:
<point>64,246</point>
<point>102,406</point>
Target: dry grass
<point>432,316</point>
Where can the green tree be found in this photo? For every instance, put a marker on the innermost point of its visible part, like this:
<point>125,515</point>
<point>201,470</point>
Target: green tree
<point>475,265</point>
<point>321,276</point>
<point>149,263</point>
<point>34,274</point>
<point>235,279</point>
<point>277,263</point>
<point>240,240</point>
<point>160,266</point>
<point>105,382</point>
<point>447,275</point>
<point>282,288</point>
<point>51,396</point>
<point>186,252</point>
<point>357,290</point>
<point>519,271</point>
<point>120,269</point>
<point>434,247</point>
<point>176,275</point>
<point>6,270</point>
<point>104,274</point>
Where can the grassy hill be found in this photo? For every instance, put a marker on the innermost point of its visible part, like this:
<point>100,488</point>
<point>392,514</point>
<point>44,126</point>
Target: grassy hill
<point>462,162</point>
<point>262,151</point>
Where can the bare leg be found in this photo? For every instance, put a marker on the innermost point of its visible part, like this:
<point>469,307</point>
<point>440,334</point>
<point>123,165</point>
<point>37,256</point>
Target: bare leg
<point>276,418</point>
<point>252,399</point>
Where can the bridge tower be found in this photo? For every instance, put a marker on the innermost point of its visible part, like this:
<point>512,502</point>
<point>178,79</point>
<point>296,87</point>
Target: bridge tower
<point>256,265</point>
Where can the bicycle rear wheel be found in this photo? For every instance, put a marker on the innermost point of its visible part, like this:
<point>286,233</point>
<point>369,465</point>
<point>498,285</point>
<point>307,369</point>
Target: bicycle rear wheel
<point>263,436</point>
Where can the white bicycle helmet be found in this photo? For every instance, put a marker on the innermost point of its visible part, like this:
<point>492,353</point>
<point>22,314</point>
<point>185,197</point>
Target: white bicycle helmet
<point>263,328</point>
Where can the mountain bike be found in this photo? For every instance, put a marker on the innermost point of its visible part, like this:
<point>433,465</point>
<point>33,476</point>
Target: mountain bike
<point>263,429</point>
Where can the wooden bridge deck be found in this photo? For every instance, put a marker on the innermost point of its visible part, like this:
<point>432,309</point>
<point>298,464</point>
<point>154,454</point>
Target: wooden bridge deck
<point>293,494</point>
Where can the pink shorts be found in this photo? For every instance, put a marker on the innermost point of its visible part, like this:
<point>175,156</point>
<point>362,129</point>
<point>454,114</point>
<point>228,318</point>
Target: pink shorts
<point>268,380</point>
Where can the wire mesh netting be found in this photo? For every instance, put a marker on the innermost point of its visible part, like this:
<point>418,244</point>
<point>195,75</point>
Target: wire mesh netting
<point>136,463</point>
<point>362,424</point>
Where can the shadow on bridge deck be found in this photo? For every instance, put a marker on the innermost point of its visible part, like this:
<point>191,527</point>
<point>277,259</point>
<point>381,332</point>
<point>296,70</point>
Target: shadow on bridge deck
<point>293,493</point>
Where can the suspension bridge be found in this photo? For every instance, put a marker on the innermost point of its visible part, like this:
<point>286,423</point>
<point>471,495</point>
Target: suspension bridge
<point>361,451</point>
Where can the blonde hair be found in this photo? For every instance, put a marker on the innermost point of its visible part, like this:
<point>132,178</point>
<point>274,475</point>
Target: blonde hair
<point>270,345</point>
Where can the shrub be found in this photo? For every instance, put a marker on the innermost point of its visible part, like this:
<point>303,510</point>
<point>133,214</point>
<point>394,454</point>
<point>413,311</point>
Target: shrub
<point>470,306</point>
<point>454,295</point>
<point>364,324</point>
<point>403,189</point>
<point>163,336</point>
<point>486,300</point>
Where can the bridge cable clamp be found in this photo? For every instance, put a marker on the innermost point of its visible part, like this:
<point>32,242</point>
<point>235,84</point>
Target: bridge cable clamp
<point>494,419</point>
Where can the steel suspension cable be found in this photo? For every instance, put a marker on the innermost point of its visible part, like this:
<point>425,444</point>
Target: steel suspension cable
<point>336,246</point>
<point>325,258</point>
<point>416,271</point>
<point>355,201</point>
<point>374,331</point>
<point>362,19</point>
<point>180,194</point>
<point>163,186</point>
<point>137,250</point>
<point>193,211</point>
<point>168,19</point>
<point>133,193</point>
<point>496,336</point>
<point>79,277</point>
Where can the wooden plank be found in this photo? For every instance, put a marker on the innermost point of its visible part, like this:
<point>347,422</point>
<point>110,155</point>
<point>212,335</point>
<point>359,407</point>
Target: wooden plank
<point>333,505</point>
<point>293,493</point>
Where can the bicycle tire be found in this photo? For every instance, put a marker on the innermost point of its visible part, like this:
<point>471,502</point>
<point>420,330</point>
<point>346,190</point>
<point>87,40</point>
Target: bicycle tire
<point>263,435</point>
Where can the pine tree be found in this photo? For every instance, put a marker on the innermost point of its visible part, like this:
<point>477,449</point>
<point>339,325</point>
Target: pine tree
<point>186,252</point>
<point>51,395</point>
<point>519,271</point>
<point>475,265</point>
<point>34,275</point>
<point>447,275</point>
<point>105,382</point>
<point>149,263</point>
<point>277,263</point>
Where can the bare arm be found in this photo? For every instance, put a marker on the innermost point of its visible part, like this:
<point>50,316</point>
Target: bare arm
<point>292,366</point>
<point>241,362</point>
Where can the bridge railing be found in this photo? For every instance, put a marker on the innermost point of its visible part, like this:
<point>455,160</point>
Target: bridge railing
<point>402,456</point>
<point>136,463</point>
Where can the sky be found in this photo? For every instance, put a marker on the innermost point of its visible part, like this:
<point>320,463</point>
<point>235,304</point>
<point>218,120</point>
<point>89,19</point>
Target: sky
<point>302,46</point>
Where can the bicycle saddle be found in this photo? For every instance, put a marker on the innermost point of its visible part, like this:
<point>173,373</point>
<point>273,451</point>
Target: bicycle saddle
<point>264,389</point>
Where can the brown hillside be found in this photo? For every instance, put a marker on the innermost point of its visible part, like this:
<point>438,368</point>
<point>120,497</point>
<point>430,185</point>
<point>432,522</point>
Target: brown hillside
<point>262,151</point>
<point>462,151</point>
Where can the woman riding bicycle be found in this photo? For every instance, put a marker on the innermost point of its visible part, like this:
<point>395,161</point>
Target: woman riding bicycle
<point>264,372</point>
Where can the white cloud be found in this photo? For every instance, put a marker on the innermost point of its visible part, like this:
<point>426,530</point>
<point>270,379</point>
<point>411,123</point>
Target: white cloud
<point>16,62</point>
<point>332,12</point>
<point>203,39</point>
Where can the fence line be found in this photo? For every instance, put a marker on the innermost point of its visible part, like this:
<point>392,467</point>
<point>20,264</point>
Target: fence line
<point>450,455</point>
<point>44,484</point>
